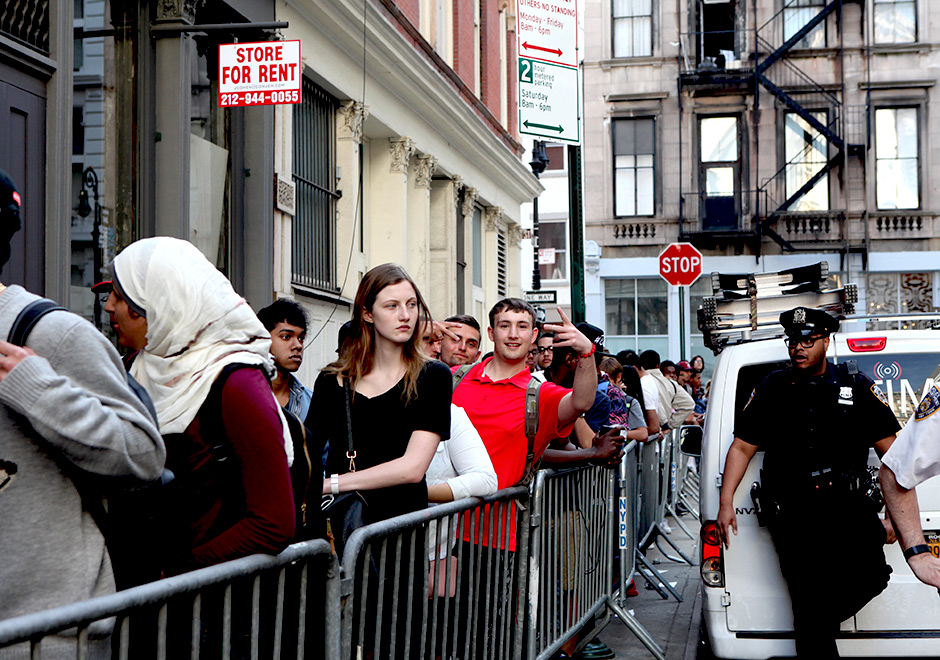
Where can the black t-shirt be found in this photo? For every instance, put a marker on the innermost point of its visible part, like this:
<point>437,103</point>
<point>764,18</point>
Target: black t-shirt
<point>809,424</point>
<point>382,426</point>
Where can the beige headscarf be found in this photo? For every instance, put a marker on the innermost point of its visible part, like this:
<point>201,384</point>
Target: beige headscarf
<point>196,325</point>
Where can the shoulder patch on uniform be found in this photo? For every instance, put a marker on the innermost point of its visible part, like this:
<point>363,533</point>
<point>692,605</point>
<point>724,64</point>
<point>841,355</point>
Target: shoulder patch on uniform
<point>929,405</point>
<point>879,394</point>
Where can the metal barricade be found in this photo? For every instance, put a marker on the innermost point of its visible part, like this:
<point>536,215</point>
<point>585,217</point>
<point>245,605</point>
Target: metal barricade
<point>571,558</point>
<point>453,589</point>
<point>229,610</point>
<point>628,513</point>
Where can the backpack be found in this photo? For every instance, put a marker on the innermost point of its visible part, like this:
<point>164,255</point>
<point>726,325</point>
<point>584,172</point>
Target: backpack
<point>129,521</point>
<point>531,419</point>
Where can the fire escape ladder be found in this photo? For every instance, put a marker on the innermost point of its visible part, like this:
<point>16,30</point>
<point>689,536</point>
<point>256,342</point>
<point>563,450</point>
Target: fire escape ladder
<point>795,79</point>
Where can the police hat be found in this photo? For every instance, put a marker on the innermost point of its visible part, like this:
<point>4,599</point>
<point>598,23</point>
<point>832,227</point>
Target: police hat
<point>808,322</point>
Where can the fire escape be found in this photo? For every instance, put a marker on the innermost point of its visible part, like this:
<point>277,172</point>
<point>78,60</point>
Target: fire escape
<point>815,144</point>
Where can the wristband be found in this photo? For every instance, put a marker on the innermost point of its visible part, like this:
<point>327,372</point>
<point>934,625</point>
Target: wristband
<point>334,484</point>
<point>589,353</point>
<point>916,550</point>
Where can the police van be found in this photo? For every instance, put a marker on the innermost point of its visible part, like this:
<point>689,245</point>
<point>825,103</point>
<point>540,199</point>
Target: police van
<point>746,609</point>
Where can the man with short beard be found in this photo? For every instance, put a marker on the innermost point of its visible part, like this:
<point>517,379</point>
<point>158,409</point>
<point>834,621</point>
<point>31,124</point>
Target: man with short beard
<point>465,349</point>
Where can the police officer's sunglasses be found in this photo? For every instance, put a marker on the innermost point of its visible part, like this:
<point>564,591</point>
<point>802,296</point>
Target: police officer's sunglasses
<point>805,343</point>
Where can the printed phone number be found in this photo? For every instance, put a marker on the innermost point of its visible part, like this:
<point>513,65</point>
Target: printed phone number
<point>259,98</point>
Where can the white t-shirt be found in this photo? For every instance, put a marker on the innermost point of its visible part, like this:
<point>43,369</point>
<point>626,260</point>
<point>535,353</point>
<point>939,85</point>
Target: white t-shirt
<point>915,455</point>
<point>650,392</point>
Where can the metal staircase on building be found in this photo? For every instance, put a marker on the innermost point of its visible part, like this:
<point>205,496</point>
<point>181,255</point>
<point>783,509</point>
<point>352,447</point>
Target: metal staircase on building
<point>776,72</point>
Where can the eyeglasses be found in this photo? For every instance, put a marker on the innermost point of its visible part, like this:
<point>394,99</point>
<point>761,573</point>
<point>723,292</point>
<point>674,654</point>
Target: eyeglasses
<point>542,349</point>
<point>805,343</point>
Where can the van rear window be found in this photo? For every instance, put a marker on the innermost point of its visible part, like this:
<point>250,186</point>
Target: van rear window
<point>903,377</point>
<point>750,377</point>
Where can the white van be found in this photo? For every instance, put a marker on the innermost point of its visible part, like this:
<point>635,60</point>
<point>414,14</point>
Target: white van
<point>745,605</point>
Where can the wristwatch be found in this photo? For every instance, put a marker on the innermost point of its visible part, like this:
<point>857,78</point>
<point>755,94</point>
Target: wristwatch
<point>334,484</point>
<point>916,550</point>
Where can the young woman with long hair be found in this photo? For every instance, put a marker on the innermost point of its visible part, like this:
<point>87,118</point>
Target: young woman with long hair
<point>398,411</point>
<point>399,399</point>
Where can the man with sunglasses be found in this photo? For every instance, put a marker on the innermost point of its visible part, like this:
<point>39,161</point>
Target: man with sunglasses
<point>815,423</point>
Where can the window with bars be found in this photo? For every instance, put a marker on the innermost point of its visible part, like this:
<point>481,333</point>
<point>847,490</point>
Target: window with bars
<point>26,21</point>
<point>313,258</point>
<point>897,179</point>
<point>633,28</point>
<point>502,264</point>
<point>634,153</point>
<point>895,21</point>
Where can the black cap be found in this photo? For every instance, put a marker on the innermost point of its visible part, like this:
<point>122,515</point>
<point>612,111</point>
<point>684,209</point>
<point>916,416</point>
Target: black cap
<point>808,322</point>
<point>595,335</point>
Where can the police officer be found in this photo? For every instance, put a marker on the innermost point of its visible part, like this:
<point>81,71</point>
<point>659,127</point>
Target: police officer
<point>815,423</point>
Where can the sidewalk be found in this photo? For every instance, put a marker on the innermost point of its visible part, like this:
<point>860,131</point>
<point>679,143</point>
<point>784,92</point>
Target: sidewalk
<point>674,625</point>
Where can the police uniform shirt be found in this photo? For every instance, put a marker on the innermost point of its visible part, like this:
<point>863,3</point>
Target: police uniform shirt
<point>915,455</point>
<point>807,425</point>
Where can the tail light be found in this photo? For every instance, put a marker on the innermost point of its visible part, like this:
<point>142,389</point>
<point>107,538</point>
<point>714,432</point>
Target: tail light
<point>867,344</point>
<point>713,572</point>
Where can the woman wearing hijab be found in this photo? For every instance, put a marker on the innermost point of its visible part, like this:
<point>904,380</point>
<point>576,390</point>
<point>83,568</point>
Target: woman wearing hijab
<point>204,358</point>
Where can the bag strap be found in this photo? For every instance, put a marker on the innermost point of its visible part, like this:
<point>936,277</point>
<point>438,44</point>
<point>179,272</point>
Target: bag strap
<point>460,373</point>
<point>27,319</point>
<point>531,427</point>
<point>350,448</point>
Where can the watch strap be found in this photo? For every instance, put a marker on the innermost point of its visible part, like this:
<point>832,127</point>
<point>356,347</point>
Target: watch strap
<point>916,550</point>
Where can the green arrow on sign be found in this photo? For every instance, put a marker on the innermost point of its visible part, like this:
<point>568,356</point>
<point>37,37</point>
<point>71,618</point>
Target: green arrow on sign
<point>529,124</point>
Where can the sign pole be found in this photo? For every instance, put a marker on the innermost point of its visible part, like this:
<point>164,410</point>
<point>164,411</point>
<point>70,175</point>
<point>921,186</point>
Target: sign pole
<point>682,354</point>
<point>576,235</point>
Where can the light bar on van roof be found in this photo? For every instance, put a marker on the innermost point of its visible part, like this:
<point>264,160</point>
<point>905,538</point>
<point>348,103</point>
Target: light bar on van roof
<point>867,344</point>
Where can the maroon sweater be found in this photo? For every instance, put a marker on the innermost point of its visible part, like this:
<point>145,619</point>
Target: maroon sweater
<point>244,504</point>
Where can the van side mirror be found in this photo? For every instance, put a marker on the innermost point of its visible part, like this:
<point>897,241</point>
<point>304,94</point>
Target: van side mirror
<point>690,440</point>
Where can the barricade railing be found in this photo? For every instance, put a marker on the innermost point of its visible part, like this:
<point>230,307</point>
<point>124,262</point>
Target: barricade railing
<point>510,576</point>
<point>454,588</point>
<point>571,555</point>
<point>232,609</point>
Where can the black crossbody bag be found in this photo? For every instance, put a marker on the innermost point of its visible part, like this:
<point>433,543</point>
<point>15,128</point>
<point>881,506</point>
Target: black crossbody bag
<point>346,512</point>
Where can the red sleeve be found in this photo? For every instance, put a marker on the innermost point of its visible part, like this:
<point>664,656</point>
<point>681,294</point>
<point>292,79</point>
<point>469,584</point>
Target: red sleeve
<point>550,396</point>
<point>253,427</point>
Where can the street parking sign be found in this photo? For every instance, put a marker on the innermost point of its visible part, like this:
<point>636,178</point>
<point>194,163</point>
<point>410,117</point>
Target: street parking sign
<point>549,87</point>
<point>680,264</point>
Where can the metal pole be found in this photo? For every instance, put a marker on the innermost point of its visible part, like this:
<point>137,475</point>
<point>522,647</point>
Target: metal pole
<point>538,164</point>
<point>576,235</point>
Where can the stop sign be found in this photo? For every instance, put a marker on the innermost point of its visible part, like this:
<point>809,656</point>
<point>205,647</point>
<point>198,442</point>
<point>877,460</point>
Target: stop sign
<point>680,264</point>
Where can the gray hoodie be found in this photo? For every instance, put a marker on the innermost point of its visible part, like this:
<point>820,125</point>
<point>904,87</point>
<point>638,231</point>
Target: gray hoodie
<point>68,406</point>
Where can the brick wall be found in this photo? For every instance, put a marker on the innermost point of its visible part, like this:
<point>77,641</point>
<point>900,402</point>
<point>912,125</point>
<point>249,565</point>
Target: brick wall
<point>411,9</point>
<point>463,41</point>
<point>490,70</point>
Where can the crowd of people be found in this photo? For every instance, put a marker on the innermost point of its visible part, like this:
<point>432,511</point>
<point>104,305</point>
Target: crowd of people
<point>211,421</point>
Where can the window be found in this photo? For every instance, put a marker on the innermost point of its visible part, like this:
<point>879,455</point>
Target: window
<point>895,21</point>
<point>556,158</point>
<point>502,264</point>
<point>313,259</point>
<point>633,28</point>
<point>719,172</point>
<point>636,314</point>
<point>806,152</point>
<point>477,229</point>
<point>633,166</point>
<point>899,293</point>
<point>798,13</point>
<point>553,249</point>
<point>896,169</point>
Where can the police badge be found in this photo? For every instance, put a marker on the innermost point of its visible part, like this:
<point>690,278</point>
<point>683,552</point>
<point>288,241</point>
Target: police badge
<point>799,315</point>
<point>928,406</point>
<point>845,396</point>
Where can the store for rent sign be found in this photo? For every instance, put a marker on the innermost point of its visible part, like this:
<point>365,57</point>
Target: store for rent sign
<point>259,73</point>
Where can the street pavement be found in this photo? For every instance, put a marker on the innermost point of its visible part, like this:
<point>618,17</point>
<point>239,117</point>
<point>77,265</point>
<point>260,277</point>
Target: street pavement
<point>674,625</point>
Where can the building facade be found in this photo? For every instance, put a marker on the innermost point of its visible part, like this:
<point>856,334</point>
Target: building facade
<point>405,148</point>
<point>770,134</point>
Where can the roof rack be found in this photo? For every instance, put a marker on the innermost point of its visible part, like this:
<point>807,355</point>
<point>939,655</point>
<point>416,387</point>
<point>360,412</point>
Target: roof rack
<point>747,307</point>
